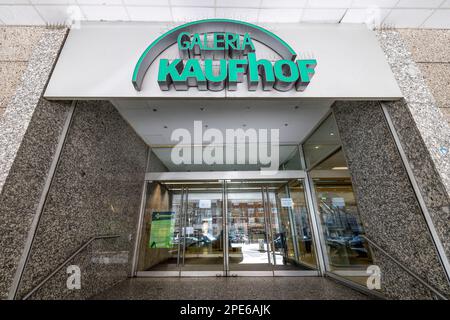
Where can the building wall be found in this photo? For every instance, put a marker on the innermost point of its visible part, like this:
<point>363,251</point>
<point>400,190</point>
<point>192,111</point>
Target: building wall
<point>423,136</point>
<point>16,46</point>
<point>430,51</point>
<point>30,130</point>
<point>96,190</point>
<point>388,207</point>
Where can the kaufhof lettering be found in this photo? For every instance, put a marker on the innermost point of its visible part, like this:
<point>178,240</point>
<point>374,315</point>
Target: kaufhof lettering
<point>222,60</point>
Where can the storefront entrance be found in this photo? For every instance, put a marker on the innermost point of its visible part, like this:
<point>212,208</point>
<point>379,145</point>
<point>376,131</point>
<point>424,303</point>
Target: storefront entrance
<point>226,227</point>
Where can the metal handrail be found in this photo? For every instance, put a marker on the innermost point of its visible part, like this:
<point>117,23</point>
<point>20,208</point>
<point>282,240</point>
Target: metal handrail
<point>80,249</point>
<point>411,273</point>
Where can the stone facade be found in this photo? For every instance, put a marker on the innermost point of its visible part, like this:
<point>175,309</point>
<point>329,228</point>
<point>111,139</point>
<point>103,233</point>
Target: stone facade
<point>30,129</point>
<point>430,51</point>
<point>389,210</point>
<point>16,46</point>
<point>96,190</point>
<point>423,132</point>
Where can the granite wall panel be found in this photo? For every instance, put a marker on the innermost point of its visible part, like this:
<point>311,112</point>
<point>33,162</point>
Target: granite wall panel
<point>16,46</point>
<point>420,124</point>
<point>96,190</point>
<point>388,207</point>
<point>30,129</point>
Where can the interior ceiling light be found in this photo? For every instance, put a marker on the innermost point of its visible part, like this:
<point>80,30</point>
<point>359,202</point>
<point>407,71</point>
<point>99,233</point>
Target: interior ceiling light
<point>339,168</point>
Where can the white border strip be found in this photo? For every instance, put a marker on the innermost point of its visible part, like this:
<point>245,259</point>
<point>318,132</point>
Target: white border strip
<point>223,175</point>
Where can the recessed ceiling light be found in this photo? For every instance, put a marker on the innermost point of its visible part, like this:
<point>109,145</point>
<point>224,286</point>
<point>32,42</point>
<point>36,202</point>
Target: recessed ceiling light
<point>332,134</point>
<point>316,147</point>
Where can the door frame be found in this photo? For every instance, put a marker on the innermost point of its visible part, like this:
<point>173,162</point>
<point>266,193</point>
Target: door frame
<point>225,176</point>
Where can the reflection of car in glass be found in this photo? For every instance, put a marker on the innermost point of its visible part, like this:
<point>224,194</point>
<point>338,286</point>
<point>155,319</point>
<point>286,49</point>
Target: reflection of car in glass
<point>238,238</point>
<point>357,245</point>
<point>205,240</point>
<point>353,243</point>
<point>189,240</point>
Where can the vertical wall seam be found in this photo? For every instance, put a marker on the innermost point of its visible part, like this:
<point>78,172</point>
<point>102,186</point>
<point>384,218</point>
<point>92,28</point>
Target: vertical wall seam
<point>141,218</point>
<point>40,208</point>
<point>435,238</point>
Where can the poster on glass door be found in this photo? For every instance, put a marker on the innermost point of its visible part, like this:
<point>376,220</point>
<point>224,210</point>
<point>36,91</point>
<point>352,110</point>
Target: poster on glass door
<point>161,229</point>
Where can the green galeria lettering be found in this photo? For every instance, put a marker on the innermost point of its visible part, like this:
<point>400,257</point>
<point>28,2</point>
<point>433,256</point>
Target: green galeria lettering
<point>209,71</point>
<point>258,68</point>
<point>238,59</point>
<point>247,44</point>
<point>235,71</point>
<point>306,68</point>
<point>192,70</point>
<point>183,40</point>
<point>221,41</point>
<point>169,72</point>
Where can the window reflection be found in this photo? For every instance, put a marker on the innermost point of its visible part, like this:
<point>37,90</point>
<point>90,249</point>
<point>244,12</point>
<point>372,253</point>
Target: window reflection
<point>347,252</point>
<point>323,141</point>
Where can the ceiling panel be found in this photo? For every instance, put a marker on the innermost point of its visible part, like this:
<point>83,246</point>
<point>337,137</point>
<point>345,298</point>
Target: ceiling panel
<point>329,3</point>
<point>322,15</point>
<point>20,15</point>
<point>407,18</point>
<point>192,13</point>
<point>373,16</point>
<point>439,19</point>
<point>283,3</point>
<point>395,13</point>
<point>110,13</point>
<point>154,120</point>
<point>419,3</point>
<point>280,15</point>
<point>59,13</point>
<point>140,13</point>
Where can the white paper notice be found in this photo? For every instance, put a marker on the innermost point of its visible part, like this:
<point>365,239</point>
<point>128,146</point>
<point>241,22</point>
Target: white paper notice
<point>204,204</point>
<point>287,202</point>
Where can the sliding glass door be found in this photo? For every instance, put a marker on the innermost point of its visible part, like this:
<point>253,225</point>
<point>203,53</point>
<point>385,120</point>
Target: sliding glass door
<point>226,228</point>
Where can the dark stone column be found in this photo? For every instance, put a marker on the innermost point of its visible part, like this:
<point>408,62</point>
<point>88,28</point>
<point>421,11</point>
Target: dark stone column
<point>423,133</point>
<point>96,190</point>
<point>30,130</point>
<point>386,201</point>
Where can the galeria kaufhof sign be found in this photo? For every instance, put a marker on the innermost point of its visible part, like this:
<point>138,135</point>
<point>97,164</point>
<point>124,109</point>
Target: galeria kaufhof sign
<point>219,53</point>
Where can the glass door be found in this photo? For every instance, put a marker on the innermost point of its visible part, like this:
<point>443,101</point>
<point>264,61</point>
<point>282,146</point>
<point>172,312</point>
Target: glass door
<point>248,243</point>
<point>269,230</point>
<point>290,228</point>
<point>226,228</point>
<point>182,231</point>
<point>202,250</point>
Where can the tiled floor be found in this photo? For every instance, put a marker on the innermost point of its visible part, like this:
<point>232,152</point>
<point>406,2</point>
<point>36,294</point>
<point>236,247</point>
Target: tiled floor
<point>245,288</point>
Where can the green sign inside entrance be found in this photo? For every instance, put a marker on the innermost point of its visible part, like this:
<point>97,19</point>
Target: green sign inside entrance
<point>161,230</point>
<point>217,53</point>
